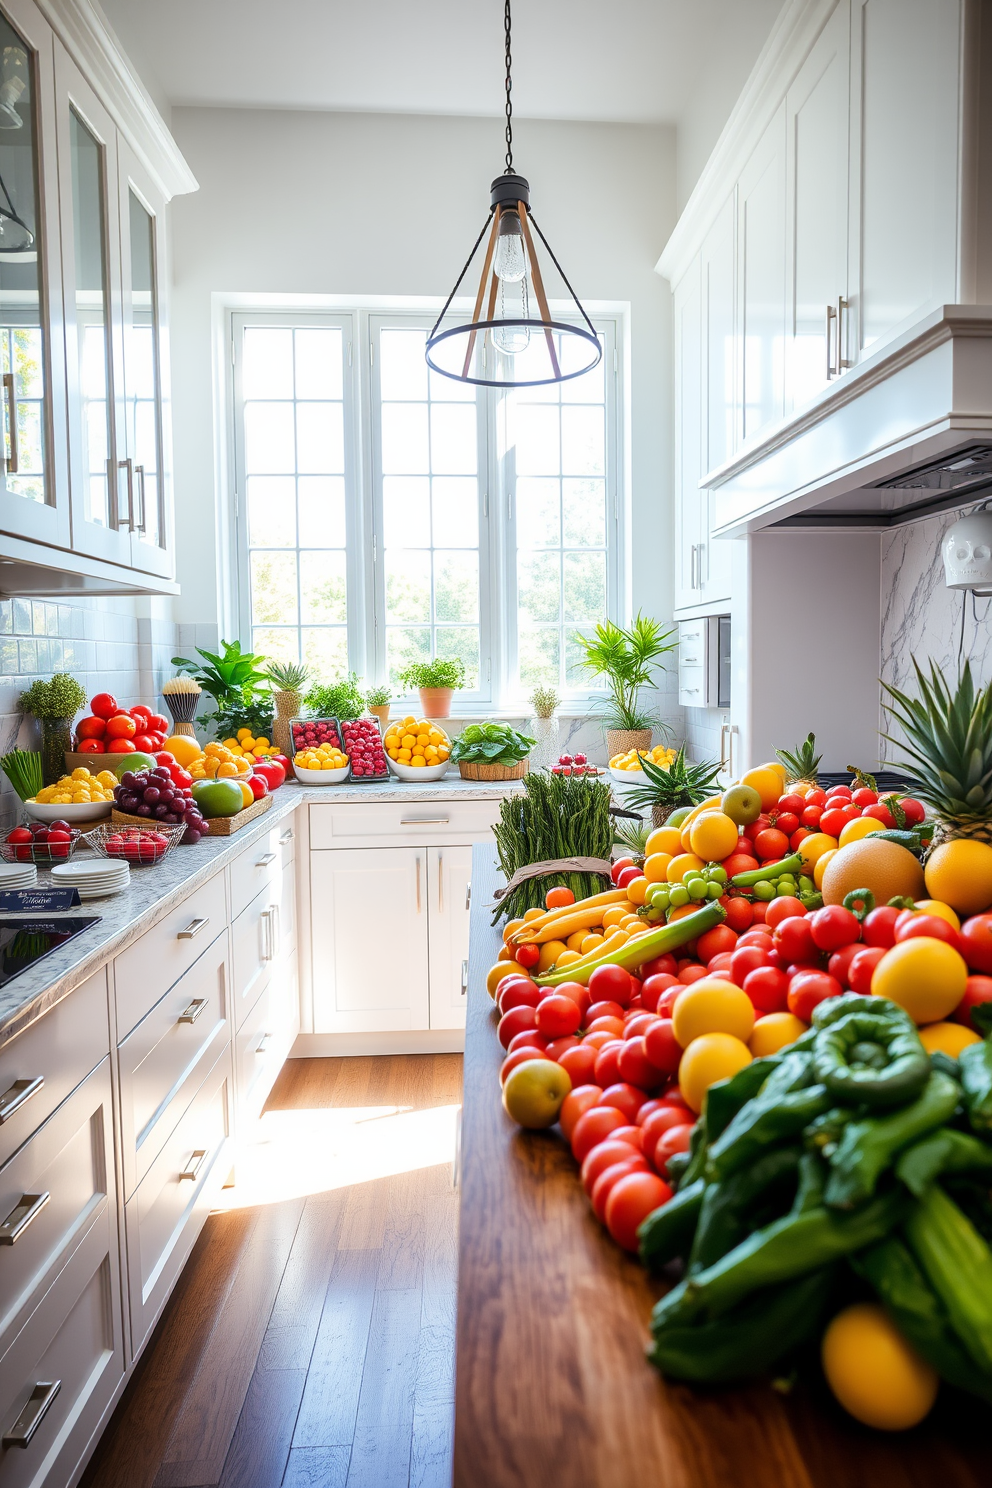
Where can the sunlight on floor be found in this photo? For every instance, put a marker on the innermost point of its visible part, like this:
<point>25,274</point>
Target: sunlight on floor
<point>296,1153</point>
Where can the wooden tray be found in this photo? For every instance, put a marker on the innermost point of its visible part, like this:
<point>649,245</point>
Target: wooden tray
<point>217,826</point>
<point>93,762</point>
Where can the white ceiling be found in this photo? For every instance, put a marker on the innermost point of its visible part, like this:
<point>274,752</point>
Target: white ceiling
<point>630,61</point>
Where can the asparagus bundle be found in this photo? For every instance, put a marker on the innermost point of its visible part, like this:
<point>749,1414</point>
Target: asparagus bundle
<point>557,816</point>
<point>22,768</point>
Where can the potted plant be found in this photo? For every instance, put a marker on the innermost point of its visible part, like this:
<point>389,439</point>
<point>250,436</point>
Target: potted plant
<point>435,680</point>
<point>377,701</point>
<point>238,685</point>
<point>55,704</point>
<point>491,751</point>
<point>288,679</point>
<point>628,659</point>
<point>544,726</point>
<point>341,699</point>
<point>669,788</point>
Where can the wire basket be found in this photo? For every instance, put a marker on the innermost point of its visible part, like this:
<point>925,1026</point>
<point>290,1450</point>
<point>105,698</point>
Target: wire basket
<point>42,853</point>
<point>135,845</point>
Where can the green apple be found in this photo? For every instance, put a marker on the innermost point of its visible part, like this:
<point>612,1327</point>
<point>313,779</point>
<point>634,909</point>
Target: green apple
<point>135,761</point>
<point>677,817</point>
<point>742,804</point>
<point>534,1091</point>
<point>218,797</point>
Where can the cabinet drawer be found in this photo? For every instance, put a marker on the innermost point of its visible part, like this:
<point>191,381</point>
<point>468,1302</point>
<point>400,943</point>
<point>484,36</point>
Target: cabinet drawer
<point>396,823</point>
<point>692,686</point>
<point>149,967</point>
<point>164,1215</point>
<point>265,1039</point>
<point>73,1336</point>
<point>261,865</point>
<point>163,1061</point>
<point>261,934</point>
<point>58,1051</point>
<point>68,1159</point>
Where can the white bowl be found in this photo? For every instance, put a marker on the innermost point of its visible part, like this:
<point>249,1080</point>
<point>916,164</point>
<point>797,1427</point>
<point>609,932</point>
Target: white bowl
<point>628,777</point>
<point>427,772</point>
<point>322,777</point>
<point>79,811</point>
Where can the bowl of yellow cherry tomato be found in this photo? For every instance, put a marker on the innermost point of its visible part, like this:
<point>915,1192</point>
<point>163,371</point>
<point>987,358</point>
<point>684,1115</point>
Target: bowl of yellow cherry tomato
<point>323,765</point>
<point>416,749</point>
<point>79,797</point>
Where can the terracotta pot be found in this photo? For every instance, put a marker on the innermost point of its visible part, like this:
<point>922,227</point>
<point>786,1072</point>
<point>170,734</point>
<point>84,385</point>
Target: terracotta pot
<point>621,741</point>
<point>382,714</point>
<point>469,770</point>
<point>436,701</point>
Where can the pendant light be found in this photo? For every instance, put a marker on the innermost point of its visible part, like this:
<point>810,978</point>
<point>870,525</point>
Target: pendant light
<point>517,343</point>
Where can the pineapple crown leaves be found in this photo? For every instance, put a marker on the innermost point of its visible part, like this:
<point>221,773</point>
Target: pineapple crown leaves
<point>678,784</point>
<point>948,740</point>
<point>803,761</point>
<point>287,676</point>
<point>862,778</point>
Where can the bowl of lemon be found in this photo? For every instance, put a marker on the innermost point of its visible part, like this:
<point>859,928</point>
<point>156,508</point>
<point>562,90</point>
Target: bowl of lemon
<point>79,797</point>
<point>324,765</point>
<point>416,749</point>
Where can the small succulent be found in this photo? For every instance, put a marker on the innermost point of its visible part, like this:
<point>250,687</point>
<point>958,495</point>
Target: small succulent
<point>544,701</point>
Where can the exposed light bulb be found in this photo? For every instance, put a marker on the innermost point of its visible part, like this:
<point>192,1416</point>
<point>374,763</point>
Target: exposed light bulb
<point>510,268</point>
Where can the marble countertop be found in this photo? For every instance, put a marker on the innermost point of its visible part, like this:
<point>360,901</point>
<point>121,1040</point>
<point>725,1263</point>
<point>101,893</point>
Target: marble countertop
<point>155,890</point>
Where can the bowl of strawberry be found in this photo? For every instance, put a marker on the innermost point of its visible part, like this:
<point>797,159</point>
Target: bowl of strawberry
<point>40,842</point>
<point>363,746</point>
<point>136,845</point>
<point>163,796</point>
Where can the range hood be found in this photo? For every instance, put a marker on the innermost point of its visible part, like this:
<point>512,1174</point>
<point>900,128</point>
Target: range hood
<point>904,435</point>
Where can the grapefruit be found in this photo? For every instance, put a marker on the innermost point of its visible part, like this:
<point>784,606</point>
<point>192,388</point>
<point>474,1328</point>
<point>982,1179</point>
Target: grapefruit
<point>885,868</point>
<point>959,872</point>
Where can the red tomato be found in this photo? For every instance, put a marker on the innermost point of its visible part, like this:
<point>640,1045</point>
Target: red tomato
<point>668,999</point>
<point>839,965</point>
<point>739,862</point>
<point>839,793</point>
<point>560,1046</point>
<point>771,843</point>
<point>653,987</point>
<point>976,942</point>
<point>758,825</point>
<point>834,820</point>
<point>746,958</point>
<point>557,1015</point>
<point>608,1064</point>
<point>798,838</point>
<point>783,909</point>
<point>604,1155</point>
<point>656,1103</point>
<point>864,796</point>
<point>512,975</point>
<point>579,1063</point>
<point>808,989</point>
<point>519,1056</point>
<point>558,898</point>
<point>662,1048</point>
<point>518,993</point>
<point>594,1126</point>
<point>527,955</point>
<point>145,743</point>
<point>517,1020</point>
<point>833,927</point>
<point>611,983</point>
<point>630,1202</point>
<point>658,1122</point>
<point>257,786</point>
<point>636,1066</point>
<point>613,1026</point>
<point>719,963</point>
<point>104,705</point>
<point>768,989</point>
<point>602,1010</point>
<point>931,926</point>
<point>121,726</point>
<point>631,1134</point>
<point>527,1038</point>
<point>861,966</point>
<point>660,966</point>
<point>598,1040</point>
<point>578,1100</point>
<point>619,866</point>
<point>758,913</point>
<point>638,1024</point>
<point>91,728</point>
<point>793,939</point>
<point>91,746</point>
<point>119,745</point>
<point>977,989</point>
<point>690,974</point>
<point>816,797</point>
<point>158,723</point>
<point>626,876</point>
<point>676,1139</point>
<point>624,1097</point>
<point>607,1181</point>
<point>271,771</point>
<point>715,942</point>
<point>787,822</point>
<point>738,912</point>
<point>578,994</point>
<point>140,711</point>
<point>881,814</point>
<point>810,817</point>
<point>879,926</point>
<point>914,810</point>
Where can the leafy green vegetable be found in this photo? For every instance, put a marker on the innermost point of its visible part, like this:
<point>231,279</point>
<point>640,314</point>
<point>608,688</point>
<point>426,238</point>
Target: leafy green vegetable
<point>491,744</point>
<point>341,699</point>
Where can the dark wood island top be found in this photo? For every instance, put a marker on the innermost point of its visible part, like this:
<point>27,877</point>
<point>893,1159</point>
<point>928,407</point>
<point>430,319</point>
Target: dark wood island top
<point>552,1387</point>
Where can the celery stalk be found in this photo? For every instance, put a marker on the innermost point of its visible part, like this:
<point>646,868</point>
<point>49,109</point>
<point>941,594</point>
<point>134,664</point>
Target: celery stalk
<point>958,1265</point>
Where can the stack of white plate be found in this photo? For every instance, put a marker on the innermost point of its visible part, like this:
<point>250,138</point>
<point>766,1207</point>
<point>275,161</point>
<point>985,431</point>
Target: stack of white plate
<point>17,876</point>
<point>95,878</point>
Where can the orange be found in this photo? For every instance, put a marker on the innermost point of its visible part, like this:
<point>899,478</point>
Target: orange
<point>681,865</point>
<point>656,867</point>
<point>183,749</point>
<point>959,872</point>
<point>663,840</point>
<point>767,781</point>
<point>713,836</point>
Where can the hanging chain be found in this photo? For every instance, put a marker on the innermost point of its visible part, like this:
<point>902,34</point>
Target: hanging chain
<point>509,85</point>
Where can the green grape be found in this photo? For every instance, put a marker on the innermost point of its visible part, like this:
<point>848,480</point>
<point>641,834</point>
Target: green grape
<point>697,887</point>
<point>784,891</point>
<point>806,885</point>
<point>714,890</point>
<point>717,874</point>
<point>787,882</point>
<point>678,895</point>
<point>764,890</point>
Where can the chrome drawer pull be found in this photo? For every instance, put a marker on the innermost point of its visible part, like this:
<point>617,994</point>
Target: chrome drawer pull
<point>424,821</point>
<point>194,1165</point>
<point>289,836</point>
<point>27,1208</point>
<point>263,1043</point>
<point>265,924</point>
<point>464,978</point>
<point>20,1092</point>
<point>34,1412</point>
<point>468,896</point>
<point>193,928</point>
<point>193,1011</point>
<point>264,862</point>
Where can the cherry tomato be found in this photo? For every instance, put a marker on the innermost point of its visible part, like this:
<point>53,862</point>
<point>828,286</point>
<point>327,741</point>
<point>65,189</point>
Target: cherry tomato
<point>739,862</point>
<point>607,1181</point>
<point>690,974</point>
<point>656,1103</point>
<point>791,801</point>
<point>793,939</point>
<point>658,1122</point>
<point>771,844</point>
<point>839,793</point>
<point>977,989</point>
<point>864,796</point>
<point>603,1010</point>
<point>758,825</point>
<point>862,966</point>
<point>807,989</point>
<point>787,822</point>
<point>104,705</point>
<point>931,926</point>
<point>517,1020</point>
<point>91,728</point>
<point>631,1134</point>
<point>528,1038</point>
<point>676,1139</point>
<point>747,958</point>
<point>914,810</point>
<point>625,1097</point>
<point>632,1199</point>
<point>839,965</point>
<point>768,989</point>
<point>557,1015</point>
<point>758,913</point>
<point>783,909</point>
<point>604,1155</point>
<point>834,926</point>
<point>578,1100</point>
<point>881,814</point>
<point>738,912</point>
<point>592,1127</point>
<point>519,1056</point>
<point>810,817</point>
<point>636,1066</point>
<point>608,1064</point>
<point>661,966</point>
<point>816,797</point>
<point>833,821</point>
<point>560,1046</point>
<point>639,1023</point>
<point>976,942</point>
<point>798,838</point>
<point>519,994</point>
<point>528,955</point>
<point>613,1026</point>
<point>715,942</point>
<point>558,898</point>
<point>879,926</point>
<point>611,983</point>
<point>579,1063</point>
<point>662,1048</point>
<point>655,985</point>
<point>760,936</point>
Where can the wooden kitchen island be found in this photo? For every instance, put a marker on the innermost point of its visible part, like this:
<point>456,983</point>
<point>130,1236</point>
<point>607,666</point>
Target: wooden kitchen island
<point>552,1387</point>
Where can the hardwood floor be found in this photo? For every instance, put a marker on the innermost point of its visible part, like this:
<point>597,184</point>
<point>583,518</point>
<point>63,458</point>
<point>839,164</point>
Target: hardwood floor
<point>310,1341</point>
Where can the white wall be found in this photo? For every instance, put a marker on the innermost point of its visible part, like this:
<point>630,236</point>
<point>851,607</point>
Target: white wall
<point>375,204</point>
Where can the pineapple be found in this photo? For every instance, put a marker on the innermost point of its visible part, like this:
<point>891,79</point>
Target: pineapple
<point>948,745</point>
<point>802,762</point>
<point>288,679</point>
<point>671,787</point>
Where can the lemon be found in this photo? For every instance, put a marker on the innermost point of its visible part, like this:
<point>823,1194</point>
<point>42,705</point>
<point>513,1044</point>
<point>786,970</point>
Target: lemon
<point>663,840</point>
<point>712,1005</point>
<point>711,1057</point>
<point>873,1372</point>
<point>775,1031</point>
<point>959,873</point>
<point>820,866</point>
<point>862,826</point>
<point>947,1038</point>
<point>713,836</point>
<point>926,977</point>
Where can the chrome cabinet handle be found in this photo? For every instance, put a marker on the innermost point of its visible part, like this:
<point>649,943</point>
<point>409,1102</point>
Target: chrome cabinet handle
<point>27,1208</point>
<point>18,1095</point>
<point>32,1414</point>
<point>287,837</point>
<point>9,390</point>
<point>194,1165</point>
<point>464,978</point>
<point>418,883</point>
<point>724,730</point>
<point>193,1011</point>
<point>193,928</point>
<point>129,467</point>
<point>842,306</point>
<point>263,1043</point>
<point>690,661</point>
<point>831,321</point>
<point>265,924</point>
<point>139,471</point>
<point>694,566</point>
<point>468,896</point>
<point>440,884</point>
<point>264,862</point>
<point>424,821</point>
<point>275,923</point>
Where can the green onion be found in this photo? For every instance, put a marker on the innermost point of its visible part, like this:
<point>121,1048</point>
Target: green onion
<point>22,768</point>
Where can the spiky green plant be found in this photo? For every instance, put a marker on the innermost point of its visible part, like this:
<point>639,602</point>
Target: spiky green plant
<point>948,747</point>
<point>287,676</point>
<point>802,762</point>
<point>628,659</point>
<point>666,789</point>
<point>632,836</point>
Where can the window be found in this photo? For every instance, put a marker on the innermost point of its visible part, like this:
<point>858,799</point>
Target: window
<point>385,514</point>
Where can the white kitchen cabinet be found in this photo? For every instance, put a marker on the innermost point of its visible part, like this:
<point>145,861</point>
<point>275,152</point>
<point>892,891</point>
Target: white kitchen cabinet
<point>449,897</point>
<point>761,280</point>
<point>688,434</point>
<point>718,269</point>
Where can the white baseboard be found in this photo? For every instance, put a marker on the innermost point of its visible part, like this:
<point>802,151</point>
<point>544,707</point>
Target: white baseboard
<point>338,1045</point>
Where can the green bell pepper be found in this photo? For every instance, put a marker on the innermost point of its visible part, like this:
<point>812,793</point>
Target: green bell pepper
<point>871,1058</point>
<point>667,1232</point>
<point>728,1209</point>
<point>975,1064</point>
<point>870,1145</point>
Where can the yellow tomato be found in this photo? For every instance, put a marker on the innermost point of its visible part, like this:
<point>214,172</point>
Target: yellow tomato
<point>873,1372</point>
<point>936,907</point>
<point>947,1038</point>
<point>711,1057</point>
<point>813,847</point>
<point>861,826</point>
<point>773,1032</point>
<point>712,1005</point>
<point>926,977</point>
<point>550,951</point>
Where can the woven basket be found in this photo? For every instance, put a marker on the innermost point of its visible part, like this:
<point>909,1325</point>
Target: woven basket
<point>622,741</point>
<point>471,771</point>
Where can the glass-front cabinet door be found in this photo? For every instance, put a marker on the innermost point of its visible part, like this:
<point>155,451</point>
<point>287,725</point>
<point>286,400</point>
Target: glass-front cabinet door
<point>143,355</point>
<point>33,487</point>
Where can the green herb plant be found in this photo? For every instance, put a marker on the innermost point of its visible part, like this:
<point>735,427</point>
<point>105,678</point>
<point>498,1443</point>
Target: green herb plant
<point>341,699</point>
<point>491,744</point>
<point>555,816</point>
<point>544,701</point>
<point>238,683</point>
<point>434,674</point>
<point>60,697</point>
<point>628,657</point>
<point>378,697</point>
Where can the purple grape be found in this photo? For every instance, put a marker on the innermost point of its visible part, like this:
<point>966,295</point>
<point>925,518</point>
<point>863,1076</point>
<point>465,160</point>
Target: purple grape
<point>171,819</point>
<point>128,801</point>
<point>191,818</point>
<point>143,810</point>
<point>160,774</point>
<point>191,835</point>
<point>152,794</point>
<point>160,811</point>
<point>127,779</point>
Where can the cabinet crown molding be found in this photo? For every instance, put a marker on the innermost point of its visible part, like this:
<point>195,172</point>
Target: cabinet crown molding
<point>87,36</point>
<point>793,34</point>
